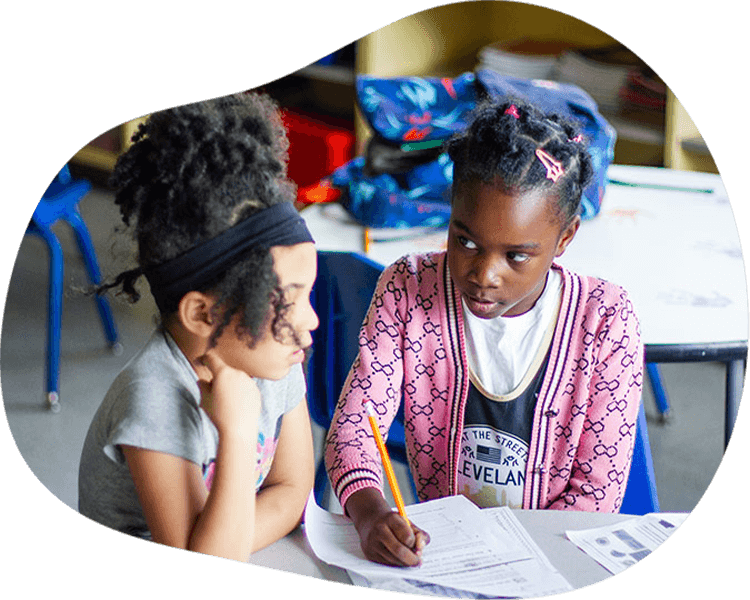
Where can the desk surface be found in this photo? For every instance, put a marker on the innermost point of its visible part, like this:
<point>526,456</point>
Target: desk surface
<point>546,527</point>
<point>676,251</point>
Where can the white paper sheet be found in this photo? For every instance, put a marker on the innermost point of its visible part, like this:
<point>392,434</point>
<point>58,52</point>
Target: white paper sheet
<point>512,528</point>
<point>468,551</point>
<point>618,546</point>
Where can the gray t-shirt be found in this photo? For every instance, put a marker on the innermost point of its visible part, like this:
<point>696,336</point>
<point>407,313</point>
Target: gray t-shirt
<point>154,404</point>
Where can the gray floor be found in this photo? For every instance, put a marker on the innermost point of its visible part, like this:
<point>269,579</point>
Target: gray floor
<point>686,451</point>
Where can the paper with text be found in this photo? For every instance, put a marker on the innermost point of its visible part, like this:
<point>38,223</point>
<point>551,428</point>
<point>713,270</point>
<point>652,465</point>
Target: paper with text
<point>467,551</point>
<point>616,547</point>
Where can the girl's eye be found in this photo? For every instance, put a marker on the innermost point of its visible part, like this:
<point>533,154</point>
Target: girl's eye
<point>518,257</point>
<point>466,243</point>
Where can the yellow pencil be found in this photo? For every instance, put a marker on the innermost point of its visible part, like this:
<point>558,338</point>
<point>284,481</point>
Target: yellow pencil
<point>386,462</point>
<point>366,239</point>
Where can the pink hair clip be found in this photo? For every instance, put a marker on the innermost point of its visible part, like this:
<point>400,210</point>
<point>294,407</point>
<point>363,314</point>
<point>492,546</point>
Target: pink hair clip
<point>513,111</point>
<point>554,167</point>
<point>577,139</point>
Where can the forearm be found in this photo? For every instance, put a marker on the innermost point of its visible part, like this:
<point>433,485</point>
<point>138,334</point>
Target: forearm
<point>351,455</point>
<point>278,510</point>
<point>225,526</point>
<point>281,500</point>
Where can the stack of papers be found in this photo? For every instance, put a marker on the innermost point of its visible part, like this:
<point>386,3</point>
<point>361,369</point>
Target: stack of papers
<point>527,61</point>
<point>602,81</point>
<point>473,553</point>
<point>616,547</point>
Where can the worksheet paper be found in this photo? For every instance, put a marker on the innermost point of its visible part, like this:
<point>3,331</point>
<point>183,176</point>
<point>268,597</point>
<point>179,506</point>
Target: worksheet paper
<point>468,551</point>
<point>616,547</point>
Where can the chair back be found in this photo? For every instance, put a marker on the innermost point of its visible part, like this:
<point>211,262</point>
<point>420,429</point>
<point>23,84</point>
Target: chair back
<point>60,200</point>
<point>640,493</point>
<point>341,296</point>
<point>340,312</point>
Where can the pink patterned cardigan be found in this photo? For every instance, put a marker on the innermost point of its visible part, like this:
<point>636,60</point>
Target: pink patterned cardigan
<point>412,347</point>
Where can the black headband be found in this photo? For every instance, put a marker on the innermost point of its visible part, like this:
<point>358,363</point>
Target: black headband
<point>278,225</point>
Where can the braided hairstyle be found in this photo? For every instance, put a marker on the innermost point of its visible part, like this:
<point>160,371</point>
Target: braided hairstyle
<point>194,171</point>
<point>500,146</point>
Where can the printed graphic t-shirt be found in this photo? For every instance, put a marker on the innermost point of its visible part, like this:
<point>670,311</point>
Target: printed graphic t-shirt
<point>507,360</point>
<point>154,403</point>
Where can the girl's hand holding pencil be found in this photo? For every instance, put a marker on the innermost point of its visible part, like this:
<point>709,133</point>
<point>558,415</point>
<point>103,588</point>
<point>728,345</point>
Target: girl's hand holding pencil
<point>386,537</point>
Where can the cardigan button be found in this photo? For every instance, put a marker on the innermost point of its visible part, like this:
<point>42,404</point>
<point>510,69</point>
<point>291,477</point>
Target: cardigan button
<point>553,412</point>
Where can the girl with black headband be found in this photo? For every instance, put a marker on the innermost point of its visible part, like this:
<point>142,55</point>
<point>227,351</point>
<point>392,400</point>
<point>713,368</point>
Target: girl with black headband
<point>203,441</point>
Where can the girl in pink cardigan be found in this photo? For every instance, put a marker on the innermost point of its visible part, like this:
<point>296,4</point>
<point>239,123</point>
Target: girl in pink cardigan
<point>520,380</point>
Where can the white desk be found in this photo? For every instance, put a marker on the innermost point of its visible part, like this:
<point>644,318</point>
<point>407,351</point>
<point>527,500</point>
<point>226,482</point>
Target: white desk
<point>293,553</point>
<point>676,251</point>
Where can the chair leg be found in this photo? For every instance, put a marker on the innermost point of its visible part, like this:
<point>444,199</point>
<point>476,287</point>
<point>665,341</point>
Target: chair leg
<point>641,495</point>
<point>86,247</point>
<point>55,324</point>
<point>660,394</point>
<point>54,314</point>
<point>648,460</point>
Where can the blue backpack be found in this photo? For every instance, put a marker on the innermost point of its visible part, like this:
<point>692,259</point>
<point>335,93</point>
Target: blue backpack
<point>404,179</point>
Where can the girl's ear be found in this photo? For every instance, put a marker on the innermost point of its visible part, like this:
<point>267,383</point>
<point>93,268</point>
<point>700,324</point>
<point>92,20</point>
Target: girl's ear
<point>195,314</point>
<point>567,236</point>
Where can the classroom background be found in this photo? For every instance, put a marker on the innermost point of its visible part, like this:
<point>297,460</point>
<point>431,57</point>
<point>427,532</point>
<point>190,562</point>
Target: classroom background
<point>653,130</point>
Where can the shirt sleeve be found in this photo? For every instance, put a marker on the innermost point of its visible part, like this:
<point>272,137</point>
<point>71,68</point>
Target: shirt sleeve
<point>296,388</point>
<point>163,418</point>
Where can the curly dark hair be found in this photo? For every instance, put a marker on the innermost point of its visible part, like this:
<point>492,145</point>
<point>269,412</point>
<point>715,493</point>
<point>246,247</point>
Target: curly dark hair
<point>499,148</point>
<point>194,171</point>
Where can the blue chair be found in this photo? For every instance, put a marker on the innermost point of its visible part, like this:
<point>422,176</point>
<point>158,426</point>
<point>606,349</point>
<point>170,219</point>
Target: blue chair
<point>60,202</point>
<point>640,493</point>
<point>341,296</point>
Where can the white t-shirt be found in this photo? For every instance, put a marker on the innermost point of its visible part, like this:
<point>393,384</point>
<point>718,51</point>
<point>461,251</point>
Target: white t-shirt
<point>501,350</point>
<point>506,355</point>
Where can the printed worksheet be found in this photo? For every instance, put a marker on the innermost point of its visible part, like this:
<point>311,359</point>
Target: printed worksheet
<point>618,546</point>
<point>541,577</point>
<point>468,551</point>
